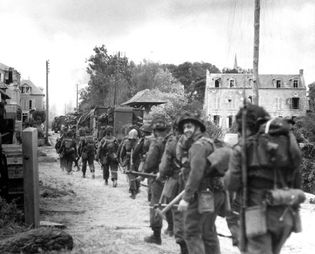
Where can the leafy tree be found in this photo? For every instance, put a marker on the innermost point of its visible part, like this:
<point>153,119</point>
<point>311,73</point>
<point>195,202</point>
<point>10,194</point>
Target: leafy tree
<point>110,78</point>
<point>193,77</point>
<point>311,95</point>
<point>143,76</point>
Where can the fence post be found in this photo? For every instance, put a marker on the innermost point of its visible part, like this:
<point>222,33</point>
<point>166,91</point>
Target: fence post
<point>31,188</point>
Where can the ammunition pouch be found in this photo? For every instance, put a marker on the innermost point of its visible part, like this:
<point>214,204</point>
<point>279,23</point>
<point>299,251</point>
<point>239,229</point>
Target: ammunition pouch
<point>256,221</point>
<point>84,155</point>
<point>206,201</point>
<point>297,226</point>
<point>289,197</point>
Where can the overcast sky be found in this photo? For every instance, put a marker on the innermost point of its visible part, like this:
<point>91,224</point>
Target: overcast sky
<point>164,31</point>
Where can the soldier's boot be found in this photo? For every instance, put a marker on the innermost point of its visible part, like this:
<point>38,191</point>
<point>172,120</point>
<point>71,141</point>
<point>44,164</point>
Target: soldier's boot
<point>83,175</point>
<point>154,238</point>
<point>183,248</point>
<point>115,183</point>
<point>93,175</point>
<point>169,232</point>
<point>106,181</point>
<point>133,194</point>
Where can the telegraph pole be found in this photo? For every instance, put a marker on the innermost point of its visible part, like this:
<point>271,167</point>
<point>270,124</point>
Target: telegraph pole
<point>256,52</point>
<point>77,101</point>
<point>47,103</point>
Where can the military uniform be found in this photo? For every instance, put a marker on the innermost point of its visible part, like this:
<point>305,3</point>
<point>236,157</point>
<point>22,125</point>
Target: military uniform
<point>203,195</point>
<point>58,150</point>
<point>151,165</point>
<point>280,221</point>
<point>86,151</point>
<point>68,152</point>
<point>200,231</point>
<point>107,154</point>
<point>259,182</point>
<point>127,161</point>
<point>170,169</point>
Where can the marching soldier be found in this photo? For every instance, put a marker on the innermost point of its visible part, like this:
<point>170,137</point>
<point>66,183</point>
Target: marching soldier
<point>126,157</point>
<point>170,168</point>
<point>277,221</point>
<point>203,193</point>
<point>86,151</point>
<point>151,165</point>
<point>107,155</point>
<point>68,151</point>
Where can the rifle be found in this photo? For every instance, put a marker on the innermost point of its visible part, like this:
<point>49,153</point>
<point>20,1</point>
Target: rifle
<point>145,175</point>
<point>243,239</point>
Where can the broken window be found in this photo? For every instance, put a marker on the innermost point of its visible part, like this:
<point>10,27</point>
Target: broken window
<point>30,104</point>
<point>232,82</point>
<point>295,83</point>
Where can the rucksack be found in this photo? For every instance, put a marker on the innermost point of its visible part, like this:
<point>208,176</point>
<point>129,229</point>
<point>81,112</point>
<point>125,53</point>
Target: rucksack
<point>273,146</point>
<point>68,146</point>
<point>218,159</point>
<point>89,144</point>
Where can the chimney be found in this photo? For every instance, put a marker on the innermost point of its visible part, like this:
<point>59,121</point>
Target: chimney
<point>301,72</point>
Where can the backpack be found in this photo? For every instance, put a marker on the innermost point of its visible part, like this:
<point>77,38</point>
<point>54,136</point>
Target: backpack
<point>218,159</point>
<point>274,146</point>
<point>68,146</point>
<point>89,144</point>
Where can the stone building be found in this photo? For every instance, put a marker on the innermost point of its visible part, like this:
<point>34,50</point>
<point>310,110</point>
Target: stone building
<point>281,95</point>
<point>32,98</point>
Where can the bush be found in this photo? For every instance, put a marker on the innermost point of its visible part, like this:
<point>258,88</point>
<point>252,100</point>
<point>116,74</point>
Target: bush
<point>9,213</point>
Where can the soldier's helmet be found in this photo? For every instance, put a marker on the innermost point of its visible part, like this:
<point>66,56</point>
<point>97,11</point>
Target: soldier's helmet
<point>146,128</point>
<point>133,134</point>
<point>109,129</point>
<point>190,117</point>
<point>255,116</point>
<point>159,123</point>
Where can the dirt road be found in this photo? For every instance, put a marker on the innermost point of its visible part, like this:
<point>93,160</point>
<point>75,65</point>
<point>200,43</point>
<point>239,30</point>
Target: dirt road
<point>103,219</point>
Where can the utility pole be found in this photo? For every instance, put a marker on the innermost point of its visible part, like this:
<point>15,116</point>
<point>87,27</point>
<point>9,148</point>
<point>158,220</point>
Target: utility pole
<point>77,101</point>
<point>47,103</point>
<point>256,53</point>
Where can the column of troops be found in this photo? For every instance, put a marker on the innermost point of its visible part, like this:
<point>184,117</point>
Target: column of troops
<point>193,178</point>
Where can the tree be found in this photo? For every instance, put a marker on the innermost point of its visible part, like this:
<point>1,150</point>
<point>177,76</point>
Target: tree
<point>143,76</point>
<point>110,78</point>
<point>311,95</point>
<point>193,77</point>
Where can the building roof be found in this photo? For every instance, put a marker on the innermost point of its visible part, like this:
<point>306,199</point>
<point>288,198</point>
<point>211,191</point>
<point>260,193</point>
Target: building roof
<point>144,97</point>
<point>4,67</point>
<point>35,89</point>
<point>265,80</point>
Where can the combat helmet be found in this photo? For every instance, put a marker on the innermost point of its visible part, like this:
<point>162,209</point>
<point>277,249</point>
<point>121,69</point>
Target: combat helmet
<point>190,117</point>
<point>109,129</point>
<point>159,123</point>
<point>146,128</point>
<point>133,134</point>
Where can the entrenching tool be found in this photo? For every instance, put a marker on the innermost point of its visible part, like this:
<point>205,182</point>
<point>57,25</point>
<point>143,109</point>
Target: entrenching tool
<point>145,175</point>
<point>161,213</point>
